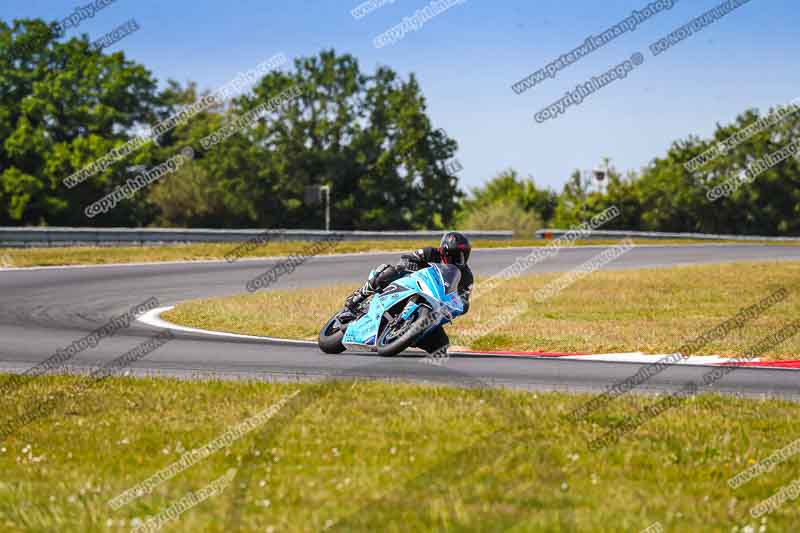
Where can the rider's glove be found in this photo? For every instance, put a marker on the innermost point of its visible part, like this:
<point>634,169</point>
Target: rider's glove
<point>410,263</point>
<point>413,261</point>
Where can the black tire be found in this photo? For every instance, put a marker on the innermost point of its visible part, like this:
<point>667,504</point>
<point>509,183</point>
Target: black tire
<point>434,341</point>
<point>389,346</point>
<point>331,335</point>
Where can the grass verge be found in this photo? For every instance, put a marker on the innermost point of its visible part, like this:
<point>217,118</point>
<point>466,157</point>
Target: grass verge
<point>649,310</point>
<point>360,456</point>
<point>93,255</point>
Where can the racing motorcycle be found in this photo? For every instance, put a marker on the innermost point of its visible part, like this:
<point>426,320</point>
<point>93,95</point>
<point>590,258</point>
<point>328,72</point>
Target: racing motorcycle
<point>399,316</point>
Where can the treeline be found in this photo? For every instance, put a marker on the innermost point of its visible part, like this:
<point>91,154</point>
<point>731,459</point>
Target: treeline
<point>65,106</point>
<point>753,160</point>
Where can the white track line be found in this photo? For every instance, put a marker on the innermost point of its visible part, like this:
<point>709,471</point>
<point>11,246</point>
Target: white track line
<point>153,318</point>
<point>639,357</point>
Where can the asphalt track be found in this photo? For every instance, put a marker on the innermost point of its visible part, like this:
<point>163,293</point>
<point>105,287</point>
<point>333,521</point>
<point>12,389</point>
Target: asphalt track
<point>44,309</point>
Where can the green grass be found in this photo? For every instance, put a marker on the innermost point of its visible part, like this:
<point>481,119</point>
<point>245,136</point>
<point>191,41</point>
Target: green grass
<point>371,456</point>
<point>92,255</point>
<point>652,310</point>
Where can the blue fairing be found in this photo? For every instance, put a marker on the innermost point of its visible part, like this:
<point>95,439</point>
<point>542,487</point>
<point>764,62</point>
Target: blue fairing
<point>437,285</point>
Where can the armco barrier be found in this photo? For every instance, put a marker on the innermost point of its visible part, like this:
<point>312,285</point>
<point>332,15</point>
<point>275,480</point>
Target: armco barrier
<point>39,237</point>
<point>617,234</point>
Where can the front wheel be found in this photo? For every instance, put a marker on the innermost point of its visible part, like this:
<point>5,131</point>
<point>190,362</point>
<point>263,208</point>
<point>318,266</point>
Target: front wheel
<point>400,335</point>
<point>331,335</point>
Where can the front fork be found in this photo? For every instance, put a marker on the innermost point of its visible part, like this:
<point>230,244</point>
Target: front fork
<point>408,310</point>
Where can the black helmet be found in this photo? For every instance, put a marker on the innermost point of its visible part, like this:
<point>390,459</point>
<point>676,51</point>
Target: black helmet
<point>455,248</point>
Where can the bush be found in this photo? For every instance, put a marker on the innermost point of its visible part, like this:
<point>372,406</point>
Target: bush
<point>502,215</point>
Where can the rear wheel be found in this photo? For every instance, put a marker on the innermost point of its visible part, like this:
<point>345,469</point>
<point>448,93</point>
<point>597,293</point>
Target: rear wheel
<point>331,335</point>
<point>401,334</point>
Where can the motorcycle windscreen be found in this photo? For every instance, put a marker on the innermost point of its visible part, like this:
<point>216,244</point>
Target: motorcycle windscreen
<point>451,275</point>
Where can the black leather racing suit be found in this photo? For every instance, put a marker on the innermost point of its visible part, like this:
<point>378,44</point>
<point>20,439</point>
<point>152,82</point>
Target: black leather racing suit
<point>385,274</point>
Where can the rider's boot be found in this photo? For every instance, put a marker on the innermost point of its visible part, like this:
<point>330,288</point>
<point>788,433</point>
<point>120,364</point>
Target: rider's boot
<point>378,278</point>
<point>358,296</point>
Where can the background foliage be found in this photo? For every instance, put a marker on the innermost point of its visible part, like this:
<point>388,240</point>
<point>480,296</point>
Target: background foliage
<point>64,105</point>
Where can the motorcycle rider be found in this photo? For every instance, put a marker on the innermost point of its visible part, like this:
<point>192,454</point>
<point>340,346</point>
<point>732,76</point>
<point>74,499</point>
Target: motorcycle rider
<point>454,249</point>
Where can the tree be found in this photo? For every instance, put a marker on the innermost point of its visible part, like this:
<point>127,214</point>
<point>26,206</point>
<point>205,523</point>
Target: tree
<point>508,188</point>
<point>578,203</point>
<point>366,135</point>
<point>62,106</point>
<point>673,198</point>
<point>670,195</point>
<point>65,105</point>
<point>503,214</point>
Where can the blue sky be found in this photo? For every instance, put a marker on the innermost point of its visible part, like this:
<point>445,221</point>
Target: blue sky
<point>467,58</point>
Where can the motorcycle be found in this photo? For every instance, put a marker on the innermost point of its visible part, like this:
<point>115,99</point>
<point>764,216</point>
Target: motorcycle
<point>399,316</point>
